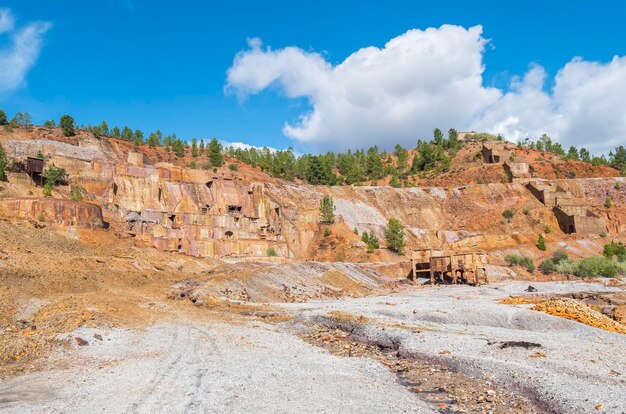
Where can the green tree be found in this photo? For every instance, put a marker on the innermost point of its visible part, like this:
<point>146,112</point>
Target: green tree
<point>394,234</point>
<point>327,209</point>
<point>3,162</point>
<point>127,134</point>
<point>372,241</point>
<point>584,155</point>
<point>453,142</point>
<point>104,128</point>
<point>403,156</point>
<point>178,147</point>
<point>541,243</point>
<point>153,140</point>
<point>201,146</point>
<point>138,137</point>
<point>617,158</point>
<point>215,153</point>
<point>49,124</point>
<point>573,154</point>
<point>375,169</point>
<point>3,117</point>
<point>22,119</point>
<point>437,137</point>
<point>66,123</point>
<point>194,147</point>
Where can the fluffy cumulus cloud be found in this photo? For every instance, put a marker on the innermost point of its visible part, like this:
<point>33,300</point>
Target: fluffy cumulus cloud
<point>431,78</point>
<point>21,51</point>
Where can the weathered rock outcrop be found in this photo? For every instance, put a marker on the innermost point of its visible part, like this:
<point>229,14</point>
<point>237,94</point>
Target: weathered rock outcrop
<point>65,212</point>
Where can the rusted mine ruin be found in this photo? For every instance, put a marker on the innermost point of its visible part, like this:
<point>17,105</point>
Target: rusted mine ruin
<point>449,267</point>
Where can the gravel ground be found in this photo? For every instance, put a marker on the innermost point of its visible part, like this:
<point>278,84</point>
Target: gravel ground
<point>206,368</point>
<point>194,366</point>
<point>582,368</point>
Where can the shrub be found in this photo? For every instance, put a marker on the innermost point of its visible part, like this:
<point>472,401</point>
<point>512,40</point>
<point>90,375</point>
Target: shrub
<point>356,231</point>
<point>617,186</point>
<point>76,193</point>
<point>47,190</point>
<point>559,256</point>
<point>607,202</point>
<point>557,263</point>
<point>271,252</point>
<point>596,266</point>
<point>547,229</point>
<point>55,175</point>
<point>508,214</point>
<point>326,232</point>
<point>42,217</point>
<point>603,234</point>
<point>233,167</point>
<point>526,211</point>
<point>548,266</point>
<point>614,249</point>
<point>541,243</point>
<point>515,260</point>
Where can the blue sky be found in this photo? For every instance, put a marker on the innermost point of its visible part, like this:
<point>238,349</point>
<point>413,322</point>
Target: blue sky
<point>157,64</point>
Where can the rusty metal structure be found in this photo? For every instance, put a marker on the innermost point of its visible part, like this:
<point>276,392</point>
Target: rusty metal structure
<point>449,267</point>
<point>34,169</point>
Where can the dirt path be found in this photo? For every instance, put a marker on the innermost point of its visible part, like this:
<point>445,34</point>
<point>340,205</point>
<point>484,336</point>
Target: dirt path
<point>214,368</point>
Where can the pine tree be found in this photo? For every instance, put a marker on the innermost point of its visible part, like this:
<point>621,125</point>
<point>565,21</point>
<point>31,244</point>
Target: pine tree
<point>138,137</point>
<point>437,137</point>
<point>67,125</point>
<point>127,134</point>
<point>327,210</point>
<point>215,153</point>
<point>194,147</point>
<point>3,162</point>
<point>153,140</point>
<point>394,234</point>
<point>3,117</point>
<point>104,128</point>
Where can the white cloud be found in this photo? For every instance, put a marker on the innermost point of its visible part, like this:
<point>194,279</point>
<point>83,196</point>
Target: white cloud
<point>243,145</point>
<point>22,51</point>
<point>6,20</point>
<point>431,78</point>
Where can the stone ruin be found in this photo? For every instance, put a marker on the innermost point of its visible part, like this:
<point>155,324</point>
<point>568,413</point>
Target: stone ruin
<point>578,219</point>
<point>495,152</point>
<point>517,171</point>
<point>572,218</point>
<point>550,194</point>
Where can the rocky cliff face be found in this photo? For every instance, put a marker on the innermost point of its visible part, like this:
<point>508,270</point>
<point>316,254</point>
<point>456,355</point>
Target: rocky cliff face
<point>223,213</point>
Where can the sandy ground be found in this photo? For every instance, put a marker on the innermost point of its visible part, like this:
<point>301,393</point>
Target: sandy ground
<point>191,365</point>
